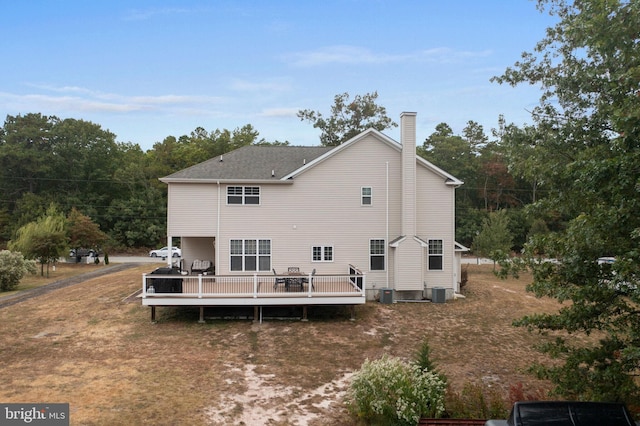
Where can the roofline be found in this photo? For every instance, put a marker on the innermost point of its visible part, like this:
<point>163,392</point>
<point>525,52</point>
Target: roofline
<point>218,181</point>
<point>451,180</point>
<point>397,241</point>
<point>459,247</point>
<point>337,149</point>
<point>422,242</point>
<point>402,238</point>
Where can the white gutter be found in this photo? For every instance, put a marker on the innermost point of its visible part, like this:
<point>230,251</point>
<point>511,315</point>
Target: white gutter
<point>229,181</point>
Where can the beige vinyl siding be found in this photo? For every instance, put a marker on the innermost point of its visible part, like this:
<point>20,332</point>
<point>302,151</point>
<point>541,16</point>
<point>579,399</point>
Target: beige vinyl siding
<point>322,207</point>
<point>435,206</point>
<point>192,209</point>
<point>408,272</point>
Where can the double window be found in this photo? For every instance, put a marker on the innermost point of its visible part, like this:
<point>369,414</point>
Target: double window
<point>376,255</point>
<point>436,255</point>
<point>322,254</point>
<point>243,195</point>
<point>250,255</point>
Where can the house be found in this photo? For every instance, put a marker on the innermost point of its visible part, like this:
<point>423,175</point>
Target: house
<point>369,212</point>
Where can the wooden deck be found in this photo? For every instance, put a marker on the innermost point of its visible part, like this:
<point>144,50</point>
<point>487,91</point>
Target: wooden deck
<point>252,290</point>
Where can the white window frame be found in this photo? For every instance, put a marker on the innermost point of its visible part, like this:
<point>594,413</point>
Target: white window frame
<point>244,194</point>
<point>250,249</point>
<point>435,250</point>
<point>381,243</point>
<point>326,254</point>
<point>364,196</point>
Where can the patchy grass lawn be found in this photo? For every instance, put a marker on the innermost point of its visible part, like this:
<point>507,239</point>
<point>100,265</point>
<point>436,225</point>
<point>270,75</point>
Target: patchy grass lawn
<point>58,272</point>
<point>93,346</point>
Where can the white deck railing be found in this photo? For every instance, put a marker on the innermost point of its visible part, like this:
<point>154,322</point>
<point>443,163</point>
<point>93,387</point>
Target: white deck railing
<point>253,286</point>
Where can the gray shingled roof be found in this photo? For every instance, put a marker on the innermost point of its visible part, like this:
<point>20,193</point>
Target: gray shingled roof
<point>253,162</point>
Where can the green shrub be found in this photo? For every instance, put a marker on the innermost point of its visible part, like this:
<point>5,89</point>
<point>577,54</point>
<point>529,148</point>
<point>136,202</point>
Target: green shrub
<point>391,391</point>
<point>13,266</point>
<point>423,360</point>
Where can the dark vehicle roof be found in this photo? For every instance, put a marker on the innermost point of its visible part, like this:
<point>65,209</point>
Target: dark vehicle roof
<point>569,413</point>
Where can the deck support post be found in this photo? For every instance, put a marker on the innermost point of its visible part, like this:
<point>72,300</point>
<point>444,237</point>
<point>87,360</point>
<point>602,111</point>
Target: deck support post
<point>153,314</point>
<point>201,320</point>
<point>255,315</point>
<point>304,313</point>
<point>352,309</point>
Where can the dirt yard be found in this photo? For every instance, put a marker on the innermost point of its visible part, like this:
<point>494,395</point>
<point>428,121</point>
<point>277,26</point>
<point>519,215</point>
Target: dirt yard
<point>93,346</point>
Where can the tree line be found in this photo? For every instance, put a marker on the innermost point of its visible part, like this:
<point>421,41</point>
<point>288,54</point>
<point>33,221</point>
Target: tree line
<point>75,164</point>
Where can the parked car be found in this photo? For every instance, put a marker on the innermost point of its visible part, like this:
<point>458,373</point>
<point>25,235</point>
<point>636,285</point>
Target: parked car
<point>82,252</point>
<point>621,286</point>
<point>164,252</point>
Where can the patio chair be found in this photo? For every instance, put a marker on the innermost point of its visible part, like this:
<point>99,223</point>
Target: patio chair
<point>279,280</point>
<point>306,280</point>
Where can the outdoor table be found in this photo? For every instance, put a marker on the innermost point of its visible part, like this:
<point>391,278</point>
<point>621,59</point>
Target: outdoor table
<point>295,279</point>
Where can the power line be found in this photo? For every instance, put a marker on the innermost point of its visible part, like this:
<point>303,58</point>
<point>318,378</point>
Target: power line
<point>46,179</point>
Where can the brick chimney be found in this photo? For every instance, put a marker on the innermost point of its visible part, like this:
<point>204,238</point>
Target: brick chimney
<point>408,140</point>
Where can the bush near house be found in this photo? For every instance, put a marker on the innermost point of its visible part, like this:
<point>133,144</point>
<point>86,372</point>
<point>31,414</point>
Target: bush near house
<point>13,266</point>
<point>392,391</point>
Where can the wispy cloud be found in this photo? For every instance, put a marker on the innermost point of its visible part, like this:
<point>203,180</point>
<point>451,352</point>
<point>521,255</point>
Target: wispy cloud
<point>39,102</point>
<point>260,86</point>
<point>72,98</point>
<point>145,14</point>
<point>359,55</point>
<point>279,112</point>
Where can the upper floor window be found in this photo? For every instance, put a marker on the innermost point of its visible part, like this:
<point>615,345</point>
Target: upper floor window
<point>243,195</point>
<point>376,255</point>
<point>322,254</point>
<point>436,255</point>
<point>367,195</point>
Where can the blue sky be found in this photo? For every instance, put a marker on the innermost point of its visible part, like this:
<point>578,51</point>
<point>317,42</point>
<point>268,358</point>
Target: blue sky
<point>149,69</point>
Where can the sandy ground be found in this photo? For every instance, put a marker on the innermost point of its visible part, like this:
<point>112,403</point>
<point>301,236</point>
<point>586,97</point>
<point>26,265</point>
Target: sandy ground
<point>92,344</point>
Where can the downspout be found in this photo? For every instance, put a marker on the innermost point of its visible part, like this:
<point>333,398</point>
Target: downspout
<point>218,233</point>
<point>387,248</point>
<point>457,273</point>
<point>169,238</point>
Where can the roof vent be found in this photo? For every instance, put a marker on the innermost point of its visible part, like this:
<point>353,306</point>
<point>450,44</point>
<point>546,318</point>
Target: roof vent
<point>221,158</point>
<point>273,173</point>
<point>304,161</point>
